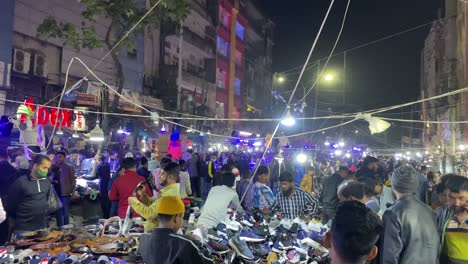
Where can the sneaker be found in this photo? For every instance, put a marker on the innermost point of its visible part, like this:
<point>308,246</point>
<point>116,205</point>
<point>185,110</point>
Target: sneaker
<point>295,227</point>
<point>259,250</point>
<point>232,225</point>
<point>104,260</point>
<point>285,241</point>
<point>218,247</point>
<point>311,243</point>
<point>262,230</point>
<point>241,248</point>
<point>213,234</point>
<point>247,235</point>
<point>277,248</point>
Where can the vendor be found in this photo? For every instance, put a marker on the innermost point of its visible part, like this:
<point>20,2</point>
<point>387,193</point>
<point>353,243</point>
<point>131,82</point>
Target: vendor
<point>292,201</point>
<point>148,207</point>
<point>164,245</point>
<point>27,197</point>
<point>216,205</point>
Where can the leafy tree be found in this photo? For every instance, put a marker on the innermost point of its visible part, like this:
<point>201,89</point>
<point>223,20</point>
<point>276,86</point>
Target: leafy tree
<point>120,16</point>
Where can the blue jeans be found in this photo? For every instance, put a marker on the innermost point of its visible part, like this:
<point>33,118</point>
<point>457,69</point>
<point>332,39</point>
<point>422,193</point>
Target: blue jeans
<point>63,215</point>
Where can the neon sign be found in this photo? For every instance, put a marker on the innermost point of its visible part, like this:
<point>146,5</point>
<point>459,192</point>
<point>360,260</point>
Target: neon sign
<point>56,117</point>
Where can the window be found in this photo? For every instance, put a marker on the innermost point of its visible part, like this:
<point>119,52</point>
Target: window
<point>224,17</point>
<point>240,30</point>
<point>238,58</point>
<point>222,47</point>
<point>237,86</point>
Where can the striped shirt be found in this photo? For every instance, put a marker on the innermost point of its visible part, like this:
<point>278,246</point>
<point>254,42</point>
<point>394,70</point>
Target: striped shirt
<point>297,203</point>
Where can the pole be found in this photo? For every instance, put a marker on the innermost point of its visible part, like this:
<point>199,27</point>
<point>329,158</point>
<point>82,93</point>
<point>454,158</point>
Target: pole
<point>316,94</point>
<point>344,78</point>
<point>179,70</point>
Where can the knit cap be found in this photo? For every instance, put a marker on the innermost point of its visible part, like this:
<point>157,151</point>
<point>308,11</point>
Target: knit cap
<point>405,179</point>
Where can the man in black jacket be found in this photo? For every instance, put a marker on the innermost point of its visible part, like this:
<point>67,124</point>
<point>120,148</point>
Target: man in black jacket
<point>329,195</point>
<point>164,245</point>
<point>369,168</point>
<point>28,197</point>
<point>8,175</point>
<point>103,172</point>
<point>410,232</point>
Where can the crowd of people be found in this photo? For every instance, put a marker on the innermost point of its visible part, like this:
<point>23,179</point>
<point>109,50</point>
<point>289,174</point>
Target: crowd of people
<point>377,210</point>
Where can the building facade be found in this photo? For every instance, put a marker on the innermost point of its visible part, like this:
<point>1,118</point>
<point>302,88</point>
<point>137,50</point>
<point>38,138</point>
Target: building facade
<point>445,69</point>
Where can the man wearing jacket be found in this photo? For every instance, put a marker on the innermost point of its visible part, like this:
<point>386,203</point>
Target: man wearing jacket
<point>164,245</point>
<point>8,176</point>
<point>329,196</point>
<point>452,222</point>
<point>409,225</point>
<point>65,183</point>
<point>147,208</point>
<point>125,185</point>
<point>28,197</point>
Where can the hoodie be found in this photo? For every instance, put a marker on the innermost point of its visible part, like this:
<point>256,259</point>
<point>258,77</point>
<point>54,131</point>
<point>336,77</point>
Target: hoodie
<point>28,203</point>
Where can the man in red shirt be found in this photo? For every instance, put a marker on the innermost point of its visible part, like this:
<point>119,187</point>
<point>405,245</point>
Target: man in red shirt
<point>125,185</point>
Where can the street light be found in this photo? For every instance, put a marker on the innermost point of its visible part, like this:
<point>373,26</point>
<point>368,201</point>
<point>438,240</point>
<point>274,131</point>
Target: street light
<point>288,120</point>
<point>301,158</point>
<point>329,77</point>
<point>96,134</point>
<point>280,79</point>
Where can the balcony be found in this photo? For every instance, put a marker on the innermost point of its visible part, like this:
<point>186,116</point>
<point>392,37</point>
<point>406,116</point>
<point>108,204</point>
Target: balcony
<point>206,44</point>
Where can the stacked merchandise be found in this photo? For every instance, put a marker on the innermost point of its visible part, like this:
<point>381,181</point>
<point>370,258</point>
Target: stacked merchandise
<point>243,238</point>
<point>99,243</point>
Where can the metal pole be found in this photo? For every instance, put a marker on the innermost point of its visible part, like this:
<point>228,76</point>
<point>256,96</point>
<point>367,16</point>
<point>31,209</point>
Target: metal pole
<point>344,78</point>
<point>179,72</point>
<point>316,94</point>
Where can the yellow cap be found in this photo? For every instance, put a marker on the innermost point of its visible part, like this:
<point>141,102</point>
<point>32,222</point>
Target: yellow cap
<point>171,205</point>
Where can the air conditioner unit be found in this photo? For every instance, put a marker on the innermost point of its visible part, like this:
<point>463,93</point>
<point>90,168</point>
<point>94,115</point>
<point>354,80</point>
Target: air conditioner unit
<point>21,61</point>
<point>40,66</point>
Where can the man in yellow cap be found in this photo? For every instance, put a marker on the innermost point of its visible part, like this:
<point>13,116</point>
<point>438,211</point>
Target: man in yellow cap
<point>148,207</point>
<point>164,245</point>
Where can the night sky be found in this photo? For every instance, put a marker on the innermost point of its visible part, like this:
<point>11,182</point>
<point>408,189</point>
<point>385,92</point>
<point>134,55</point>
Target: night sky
<point>381,74</point>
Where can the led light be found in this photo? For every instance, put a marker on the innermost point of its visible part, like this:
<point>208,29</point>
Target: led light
<point>245,134</point>
<point>347,155</point>
<point>342,144</point>
<point>427,152</point>
<point>75,135</point>
<point>327,143</point>
<point>461,147</point>
<point>301,158</point>
<point>163,129</point>
<point>59,132</point>
<point>256,149</point>
<point>210,149</point>
<point>120,131</point>
<point>257,144</point>
<point>408,153</point>
<point>338,152</point>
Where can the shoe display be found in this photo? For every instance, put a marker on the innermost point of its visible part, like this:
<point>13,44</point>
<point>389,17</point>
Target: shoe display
<point>232,225</point>
<point>241,248</point>
<point>311,243</point>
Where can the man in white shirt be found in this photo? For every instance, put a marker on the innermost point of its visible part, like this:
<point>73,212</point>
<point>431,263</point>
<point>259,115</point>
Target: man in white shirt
<point>216,205</point>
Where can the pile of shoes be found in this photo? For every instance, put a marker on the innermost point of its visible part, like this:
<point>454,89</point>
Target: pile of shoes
<point>274,241</point>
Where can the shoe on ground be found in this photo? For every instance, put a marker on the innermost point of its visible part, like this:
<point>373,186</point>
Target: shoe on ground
<point>232,225</point>
<point>241,248</point>
<point>104,260</point>
<point>285,241</point>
